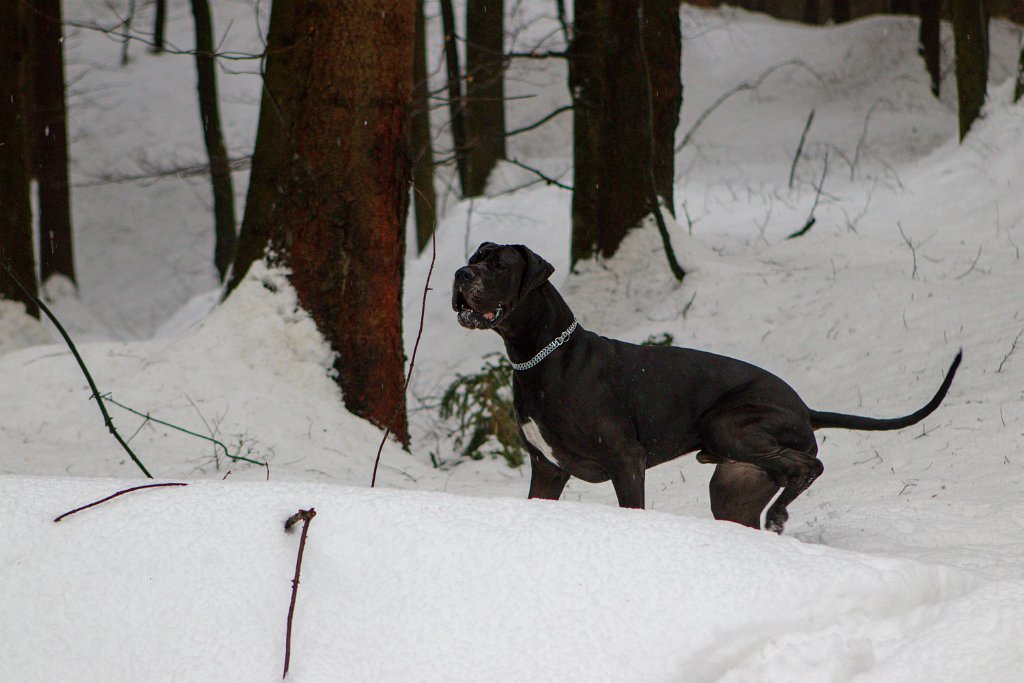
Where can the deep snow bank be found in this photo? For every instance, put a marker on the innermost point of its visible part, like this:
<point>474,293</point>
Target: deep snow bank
<point>193,584</point>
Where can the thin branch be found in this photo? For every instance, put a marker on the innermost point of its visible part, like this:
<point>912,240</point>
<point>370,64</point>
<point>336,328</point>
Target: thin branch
<point>540,122</point>
<point>913,251</point>
<point>1013,348</point>
<point>811,220</point>
<point>746,85</point>
<point>81,363</point>
<point>800,148</point>
<point>306,516</point>
<point>115,495</point>
<point>546,179</point>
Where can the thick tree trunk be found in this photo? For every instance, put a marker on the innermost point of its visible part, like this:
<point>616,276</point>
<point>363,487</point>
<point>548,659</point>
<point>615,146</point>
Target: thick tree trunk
<point>606,69</point>
<point>424,198</point>
<point>908,6</point>
<point>330,183</point>
<point>209,113</point>
<point>159,25</point>
<point>1018,88</point>
<point>971,33</point>
<point>485,92</point>
<point>812,12</point>
<point>56,253</point>
<point>15,208</point>
<point>456,106</point>
<point>929,43</point>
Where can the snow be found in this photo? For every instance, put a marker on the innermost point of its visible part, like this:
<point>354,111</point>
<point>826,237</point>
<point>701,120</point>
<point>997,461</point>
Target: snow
<point>902,563</point>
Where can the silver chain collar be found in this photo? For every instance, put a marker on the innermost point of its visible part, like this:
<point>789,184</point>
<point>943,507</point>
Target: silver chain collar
<point>546,351</point>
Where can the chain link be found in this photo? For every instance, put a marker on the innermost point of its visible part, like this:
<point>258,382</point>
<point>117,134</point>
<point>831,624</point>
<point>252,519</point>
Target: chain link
<point>546,351</point>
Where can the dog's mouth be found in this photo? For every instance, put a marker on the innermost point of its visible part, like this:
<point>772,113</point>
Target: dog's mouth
<point>473,318</point>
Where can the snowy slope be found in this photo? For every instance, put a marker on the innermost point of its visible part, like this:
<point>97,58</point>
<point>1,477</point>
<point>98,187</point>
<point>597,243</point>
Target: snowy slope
<point>902,563</point>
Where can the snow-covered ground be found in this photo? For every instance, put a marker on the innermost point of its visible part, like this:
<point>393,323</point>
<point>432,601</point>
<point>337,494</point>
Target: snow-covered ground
<point>904,562</point>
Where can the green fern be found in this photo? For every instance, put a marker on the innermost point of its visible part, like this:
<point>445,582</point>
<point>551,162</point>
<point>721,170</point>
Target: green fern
<point>481,405</point>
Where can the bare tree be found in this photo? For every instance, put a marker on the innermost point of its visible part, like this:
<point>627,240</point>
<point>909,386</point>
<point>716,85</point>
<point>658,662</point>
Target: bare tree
<point>456,107</point>
<point>159,25</point>
<point>50,139</point>
<point>485,92</point>
<point>213,137</point>
<point>840,11</point>
<point>15,208</point>
<point>424,197</point>
<point>1018,88</point>
<point>330,183</point>
<point>608,83</point>
<point>970,29</point>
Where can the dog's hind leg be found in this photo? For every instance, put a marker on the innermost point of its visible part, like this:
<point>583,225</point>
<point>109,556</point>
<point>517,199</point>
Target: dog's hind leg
<point>740,492</point>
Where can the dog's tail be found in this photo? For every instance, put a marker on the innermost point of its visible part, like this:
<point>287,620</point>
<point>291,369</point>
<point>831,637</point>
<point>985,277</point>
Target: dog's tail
<point>842,421</point>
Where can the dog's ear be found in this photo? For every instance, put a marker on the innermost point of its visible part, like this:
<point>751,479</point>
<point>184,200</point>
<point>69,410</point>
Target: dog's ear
<point>536,273</point>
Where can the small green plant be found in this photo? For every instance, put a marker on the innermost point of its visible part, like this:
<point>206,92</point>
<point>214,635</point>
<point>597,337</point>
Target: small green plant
<point>663,339</point>
<point>481,405</point>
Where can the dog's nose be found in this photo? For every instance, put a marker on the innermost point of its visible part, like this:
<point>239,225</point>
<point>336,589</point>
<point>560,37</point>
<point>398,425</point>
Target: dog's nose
<point>464,274</point>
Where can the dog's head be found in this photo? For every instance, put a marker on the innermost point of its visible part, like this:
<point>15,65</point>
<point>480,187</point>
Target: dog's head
<point>496,279</point>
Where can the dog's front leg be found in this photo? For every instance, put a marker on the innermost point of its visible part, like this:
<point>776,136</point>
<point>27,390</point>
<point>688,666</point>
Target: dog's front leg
<point>628,481</point>
<point>546,480</point>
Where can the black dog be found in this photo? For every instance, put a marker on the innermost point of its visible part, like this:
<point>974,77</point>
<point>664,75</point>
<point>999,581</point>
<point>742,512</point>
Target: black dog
<point>600,409</point>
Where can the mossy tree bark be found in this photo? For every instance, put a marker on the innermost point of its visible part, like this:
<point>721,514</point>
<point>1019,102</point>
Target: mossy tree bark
<point>50,139</point>
<point>15,207</point>
<point>330,183</point>
<point>970,30</point>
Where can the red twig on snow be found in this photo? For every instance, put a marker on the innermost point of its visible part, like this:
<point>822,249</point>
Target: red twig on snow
<point>306,516</point>
<point>115,495</point>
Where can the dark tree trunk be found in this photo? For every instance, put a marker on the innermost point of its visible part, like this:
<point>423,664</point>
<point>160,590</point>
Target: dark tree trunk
<point>159,25</point>
<point>455,104</point>
<point>909,6</point>
<point>220,166</point>
<point>424,198</point>
<point>15,208</point>
<point>929,43</point>
<point>1018,88</point>
<point>330,183</point>
<point>485,92</point>
<point>50,155</point>
<point>612,165</point>
<point>812,12</point>
<point>840,11</point>
<point>971,33</point>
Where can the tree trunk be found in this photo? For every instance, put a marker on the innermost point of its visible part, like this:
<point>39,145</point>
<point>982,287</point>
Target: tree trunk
<point>15,208</point>
<point>612,171</point>
<point>971,34</point>
<point>907,6</point>
<point>840,11</point>
<point>1018,88</point>
<point>485,92</point>
<point>159,25</point>
<point>220,166</point>
<point>455,103</point>
<point>56,253</point>
<point>330,183</point>
<point>812,12</point>
<point>929,43</point>
<point>424,198</point>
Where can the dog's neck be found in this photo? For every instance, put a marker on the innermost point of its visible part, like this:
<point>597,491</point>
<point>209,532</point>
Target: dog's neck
<point>534,323</point>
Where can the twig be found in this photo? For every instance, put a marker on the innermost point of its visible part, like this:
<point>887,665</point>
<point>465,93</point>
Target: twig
<point>746,85</point>
<point>974,265</point>
<point>115,495</point>
<point>864,132</point>
<point>800,148</point>
<point>412,358</point>
<point>107,420</point>
<point>913,251</point>
<point>149,417</point>
<point>539,122</point>
<point>306,516</point>
<point>546,179</point>
<point>1013,348</point>
<point>811,220</point>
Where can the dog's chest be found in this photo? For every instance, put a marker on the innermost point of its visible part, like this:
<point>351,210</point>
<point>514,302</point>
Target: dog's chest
<point>536,439</point>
